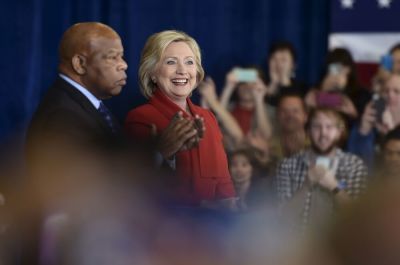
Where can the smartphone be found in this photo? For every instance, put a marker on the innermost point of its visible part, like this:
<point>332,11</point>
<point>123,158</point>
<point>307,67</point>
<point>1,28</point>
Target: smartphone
<point>328,99</point>
<point>335,68</point>
<point>323,161</point>
<point>379,104</point>
<point>246,75</point>
<point>387,62</point>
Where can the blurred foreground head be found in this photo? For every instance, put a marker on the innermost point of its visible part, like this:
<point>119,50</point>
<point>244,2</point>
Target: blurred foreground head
<point>368,233</point>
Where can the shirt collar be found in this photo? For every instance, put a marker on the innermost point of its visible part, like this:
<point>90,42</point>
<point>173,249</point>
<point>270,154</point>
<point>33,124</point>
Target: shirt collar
<point>95,101</point>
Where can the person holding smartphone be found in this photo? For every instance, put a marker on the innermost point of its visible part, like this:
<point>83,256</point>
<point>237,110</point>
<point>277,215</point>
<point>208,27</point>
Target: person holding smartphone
<point>281,72</point>
<point>338,87</point>
<point>243,96</point>
<point>376,121</point>
<point>311,182</point>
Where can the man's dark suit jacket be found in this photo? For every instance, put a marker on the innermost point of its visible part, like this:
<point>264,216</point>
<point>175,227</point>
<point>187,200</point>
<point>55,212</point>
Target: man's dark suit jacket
<point>66,116</point>
<point>66,128</point>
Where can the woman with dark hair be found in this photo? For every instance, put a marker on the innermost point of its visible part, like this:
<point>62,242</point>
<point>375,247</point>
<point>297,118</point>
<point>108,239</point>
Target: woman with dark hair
<point>338,87</point>
<point>281,72</point>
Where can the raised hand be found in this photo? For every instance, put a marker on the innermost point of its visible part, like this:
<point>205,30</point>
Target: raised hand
<point>231,79</point>
<point>207,91</point>
<point>347,107</point>
<point>259,90</point>
<point>368,119</point>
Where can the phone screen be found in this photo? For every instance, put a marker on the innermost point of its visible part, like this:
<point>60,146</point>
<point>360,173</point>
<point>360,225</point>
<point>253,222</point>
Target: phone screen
<point>323,161</point>
<point>246,75</point>
<point>335,68</point>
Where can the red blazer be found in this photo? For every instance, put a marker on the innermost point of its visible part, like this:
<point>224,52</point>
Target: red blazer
<point>203,171</point>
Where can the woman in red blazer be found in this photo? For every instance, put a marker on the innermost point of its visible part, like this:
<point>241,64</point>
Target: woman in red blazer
<point>170,68</point>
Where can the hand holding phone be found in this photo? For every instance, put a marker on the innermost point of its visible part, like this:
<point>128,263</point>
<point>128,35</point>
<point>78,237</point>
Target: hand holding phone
<point>379,104</point>
<point>319,171</point>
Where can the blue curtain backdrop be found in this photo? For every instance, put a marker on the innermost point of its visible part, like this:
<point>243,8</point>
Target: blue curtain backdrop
<point>229,33</point>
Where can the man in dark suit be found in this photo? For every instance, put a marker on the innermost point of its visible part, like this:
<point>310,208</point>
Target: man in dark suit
<point>91,69</point>
<point>71,123</point>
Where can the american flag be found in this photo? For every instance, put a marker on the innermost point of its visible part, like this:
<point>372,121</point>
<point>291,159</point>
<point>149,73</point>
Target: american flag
<point>368,28</point>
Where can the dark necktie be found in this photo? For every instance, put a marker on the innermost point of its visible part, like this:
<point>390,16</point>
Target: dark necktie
<point>105,112</point>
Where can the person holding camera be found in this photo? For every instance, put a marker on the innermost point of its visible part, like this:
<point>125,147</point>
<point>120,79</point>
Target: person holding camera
<point>379,117</point>
<point>338,88</point>
<point>170,68</point>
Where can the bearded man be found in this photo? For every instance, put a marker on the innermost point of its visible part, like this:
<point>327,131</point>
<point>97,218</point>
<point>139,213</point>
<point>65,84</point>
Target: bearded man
<point>313,182</point>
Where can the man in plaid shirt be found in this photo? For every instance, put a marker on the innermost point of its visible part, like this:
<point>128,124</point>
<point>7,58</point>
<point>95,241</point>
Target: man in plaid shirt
<point>311,183</point>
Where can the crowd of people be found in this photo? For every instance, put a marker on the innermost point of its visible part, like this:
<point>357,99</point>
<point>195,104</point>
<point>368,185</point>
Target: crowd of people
<point>264,143</point>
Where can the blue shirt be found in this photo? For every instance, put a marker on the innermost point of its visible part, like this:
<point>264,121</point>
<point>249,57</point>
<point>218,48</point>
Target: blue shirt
<point>362,145</point>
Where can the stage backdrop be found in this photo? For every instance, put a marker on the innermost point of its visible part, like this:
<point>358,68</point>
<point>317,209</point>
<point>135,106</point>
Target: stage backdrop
<point>231,32</point>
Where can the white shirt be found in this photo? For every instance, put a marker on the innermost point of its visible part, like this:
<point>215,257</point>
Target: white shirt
<point>95,101</point>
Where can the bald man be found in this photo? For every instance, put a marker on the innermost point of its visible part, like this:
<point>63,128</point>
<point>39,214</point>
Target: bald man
<point>71,124</point>
<point>91,69</point>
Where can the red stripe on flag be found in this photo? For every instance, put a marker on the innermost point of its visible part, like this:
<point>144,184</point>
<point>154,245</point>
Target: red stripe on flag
<point>365,72</point>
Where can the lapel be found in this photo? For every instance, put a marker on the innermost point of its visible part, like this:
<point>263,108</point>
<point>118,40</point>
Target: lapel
<point>86,105</point>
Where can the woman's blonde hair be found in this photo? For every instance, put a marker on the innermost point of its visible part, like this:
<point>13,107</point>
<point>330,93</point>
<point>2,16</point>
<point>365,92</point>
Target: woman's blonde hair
<point>154,49</point>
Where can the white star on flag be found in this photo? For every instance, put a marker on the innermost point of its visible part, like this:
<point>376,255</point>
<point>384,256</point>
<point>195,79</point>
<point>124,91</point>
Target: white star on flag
<point>384,3</point>
<point>347,4</point>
